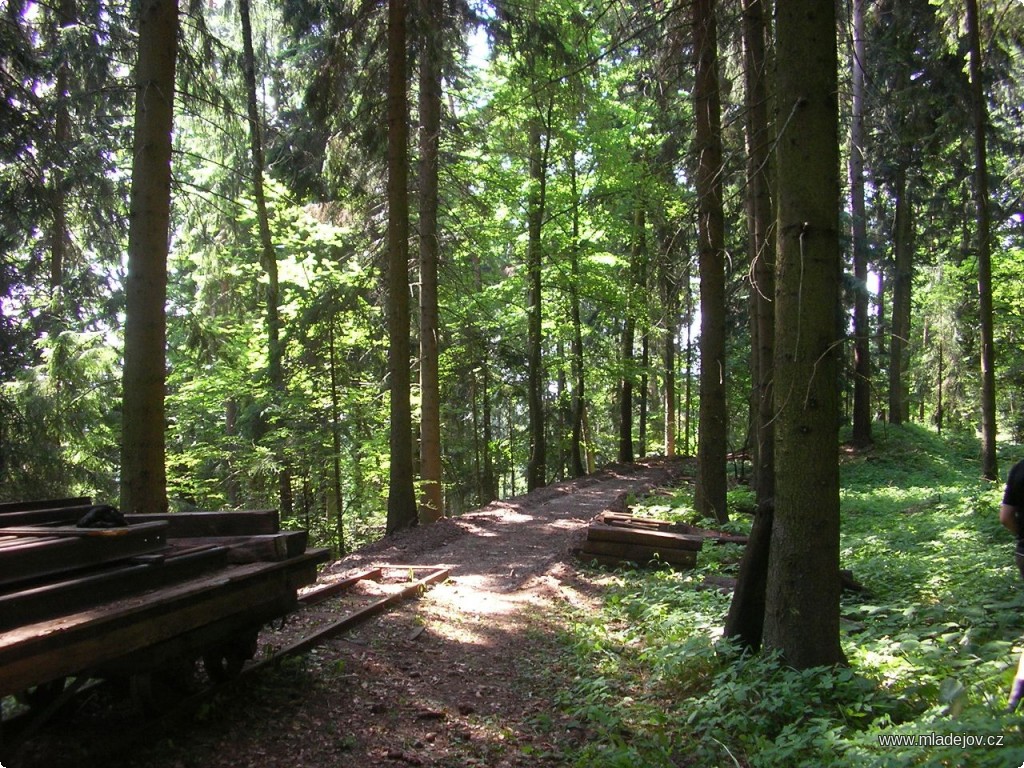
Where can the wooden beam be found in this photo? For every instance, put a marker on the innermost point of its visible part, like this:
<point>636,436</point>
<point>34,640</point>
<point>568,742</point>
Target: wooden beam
<point>196,524</point>
<point>67,515</point>
<point>251,549</point>
<point>27,506</point>
<point>23,559</point>
<point>640,553</point>
<point>603,532</point>
<point>71,595</point>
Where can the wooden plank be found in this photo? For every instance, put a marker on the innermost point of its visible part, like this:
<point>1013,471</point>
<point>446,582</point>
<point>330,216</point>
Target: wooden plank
<point>251,549</point>
<point>621,518</point>
<point>77,643</point>
<point>95,587</point>
<point>624,520</point>
<point>641,553</point>
<point>48,516</point>
<point>65,531</point>
<point>27,506</point>
<point>603,532</point>
<point>33,558</point>
<point>198,524</point>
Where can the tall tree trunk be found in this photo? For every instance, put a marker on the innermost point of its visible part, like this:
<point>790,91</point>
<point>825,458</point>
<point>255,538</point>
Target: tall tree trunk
<point>536,470</point>
<point>488,480</point>
<point>576,449</point>
<point>401,496</point>
<point>688,388</point>
<point>802,599</point>
<point>143,474</point>
<point>629,337</point>
<point>979,113</point>
<point>710,493</point>
<point>60,237</point>
<point>432,502</point>
<point>336,441</point>
<point>645,363</point>
<point>268,256</point>
<point>903,273</point>
<point>861,328</point>
<point>745,621</point>
<point>670,309</point>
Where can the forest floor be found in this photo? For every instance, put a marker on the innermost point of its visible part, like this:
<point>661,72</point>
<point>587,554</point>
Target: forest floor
<point>465,675</point>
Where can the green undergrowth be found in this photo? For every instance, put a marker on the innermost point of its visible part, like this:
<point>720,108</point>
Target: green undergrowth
<point>932,640</point>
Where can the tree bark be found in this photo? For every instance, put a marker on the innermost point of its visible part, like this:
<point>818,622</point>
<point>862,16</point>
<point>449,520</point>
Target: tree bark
<point>60,238</point>
<point>670,309</point>
<point>626,454</point>
<point>576,451</point>
<point>861,328</point>
<point>143,474</point>
<point>710,493</point>
<point>645,363</point>
<point>979,113</point>
<point>268,256</point>
<point>745,621</point>
<point>536,470</point>
<point>336,442</point>
<point>903,273</point>
<point>802,598</point>
<point>401,496</point>
<point>432,501</point>
<point>761,236</point>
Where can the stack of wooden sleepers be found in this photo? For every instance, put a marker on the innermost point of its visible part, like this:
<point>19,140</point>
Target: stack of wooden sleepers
<point>99,602</point>
<point>616,538</point>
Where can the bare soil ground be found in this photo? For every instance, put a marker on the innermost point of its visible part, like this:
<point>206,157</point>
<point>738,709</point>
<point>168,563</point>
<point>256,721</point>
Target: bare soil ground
<point>465,675</point>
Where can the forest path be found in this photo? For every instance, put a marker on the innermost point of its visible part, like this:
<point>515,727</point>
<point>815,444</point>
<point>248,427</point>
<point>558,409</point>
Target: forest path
<point>466,675</point>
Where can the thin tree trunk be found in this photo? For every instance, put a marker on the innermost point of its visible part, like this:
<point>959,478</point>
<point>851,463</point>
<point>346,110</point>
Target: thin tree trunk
<point>629,336</point>
<point>536,471</point>
<point>143,474</point>
<point>489,481</point>
<point>802,598</point>
<point>861,331</point>
<point>979,113</point>
<point>432,502</point>
<point>645,362</point>
<point>60,238</point>
<point>899,406</point>
<point>710,493</point>
<point>336,441</point>
<point>670,308</point>
<point>268,256</point>
<point>576,446</point>
<point>745,621</point>
<point>688,393</point>
<point>401,496</point>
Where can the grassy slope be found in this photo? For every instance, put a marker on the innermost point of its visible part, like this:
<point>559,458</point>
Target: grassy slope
<point>933,643</point>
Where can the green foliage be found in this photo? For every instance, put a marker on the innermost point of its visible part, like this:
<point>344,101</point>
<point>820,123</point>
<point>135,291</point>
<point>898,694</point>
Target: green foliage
<point>932,642</point>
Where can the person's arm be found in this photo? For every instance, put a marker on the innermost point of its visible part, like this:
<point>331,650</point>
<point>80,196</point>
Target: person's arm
<point>1008,517</point>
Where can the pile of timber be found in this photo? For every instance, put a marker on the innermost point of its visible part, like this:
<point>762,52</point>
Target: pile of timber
<point>77,600</point>
<point>616,538</point>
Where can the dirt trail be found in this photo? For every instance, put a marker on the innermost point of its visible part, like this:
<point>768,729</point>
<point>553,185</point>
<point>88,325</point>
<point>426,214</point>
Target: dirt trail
<point>459,677</point>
